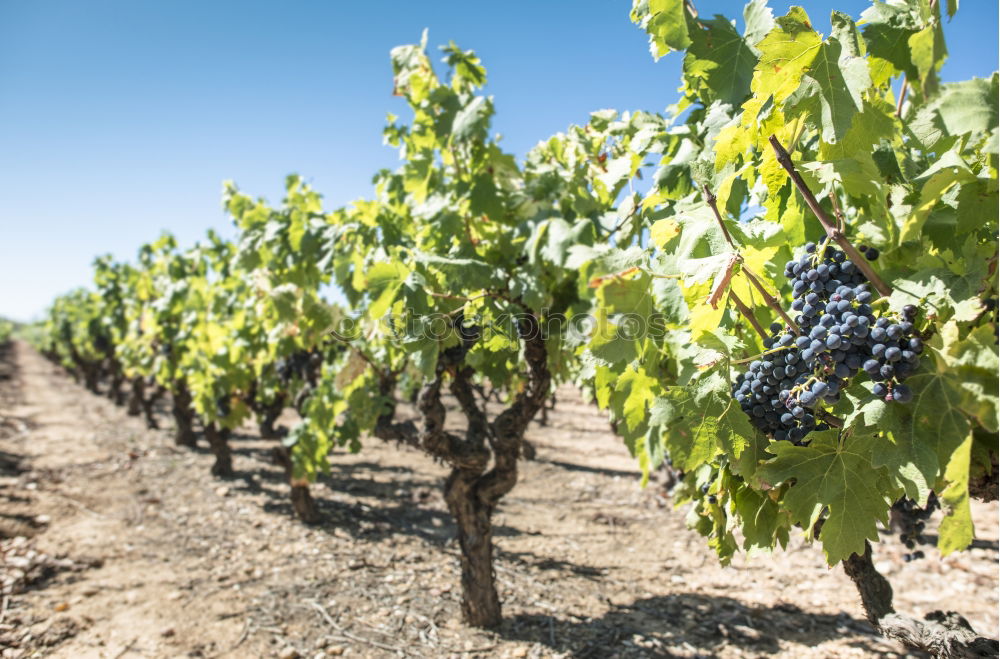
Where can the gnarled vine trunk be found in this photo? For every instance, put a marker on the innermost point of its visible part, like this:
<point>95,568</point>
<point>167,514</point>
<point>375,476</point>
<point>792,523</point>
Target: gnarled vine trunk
<point>116,380</point>
<point>480,601</point>
<point>87,371</point>
<point>471,491</point>
<point>302,501</point>
<point>946,635</point>
<point>135,396</point>
<point>183,417</point>
<point>218,442</point>
<point>267,416</point>
<point>149,401</point>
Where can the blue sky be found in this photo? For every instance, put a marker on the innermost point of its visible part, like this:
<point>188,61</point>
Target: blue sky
<point>121,118</point>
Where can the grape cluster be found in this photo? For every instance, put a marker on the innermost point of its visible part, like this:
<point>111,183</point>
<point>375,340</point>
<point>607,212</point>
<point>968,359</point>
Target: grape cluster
<point>912,520</point>
<point>301,365</point>
<point>837,336</point>
<point>223,406</point>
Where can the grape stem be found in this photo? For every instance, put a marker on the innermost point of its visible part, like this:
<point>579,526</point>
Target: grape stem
<point>748,314</point>
<point>829,419</point>
<point>831,230</point>
<point>902,97</point>
<point>770,300</point>
<point>836,211</point>
<point>711,199</point>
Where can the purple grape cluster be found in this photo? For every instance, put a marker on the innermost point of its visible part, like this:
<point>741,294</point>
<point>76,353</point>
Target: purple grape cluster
<point>838,336</point>
<point>912,520</point>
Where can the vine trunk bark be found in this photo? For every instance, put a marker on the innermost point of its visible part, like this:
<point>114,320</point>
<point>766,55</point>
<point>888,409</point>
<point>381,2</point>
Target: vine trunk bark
<point>218,442</point>
<point>115,392</point>
<point>148,403</point>
<point>183,417</point>
<point>135,396</point>
<point>480,601</point>
<point>268,417</point>
<point>302,501</point>
<point>942,634</point>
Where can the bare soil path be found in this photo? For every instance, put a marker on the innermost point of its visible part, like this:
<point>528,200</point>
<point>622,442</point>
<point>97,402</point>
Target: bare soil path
<point>117,544</point>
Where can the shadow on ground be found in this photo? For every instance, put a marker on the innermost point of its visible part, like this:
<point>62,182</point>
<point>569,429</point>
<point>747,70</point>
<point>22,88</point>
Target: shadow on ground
<point>701,624</point>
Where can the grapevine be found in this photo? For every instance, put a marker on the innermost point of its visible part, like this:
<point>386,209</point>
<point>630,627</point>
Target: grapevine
<point>798,315</point>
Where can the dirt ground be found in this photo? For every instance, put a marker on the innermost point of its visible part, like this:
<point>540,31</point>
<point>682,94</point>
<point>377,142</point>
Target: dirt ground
<point>117,544</point>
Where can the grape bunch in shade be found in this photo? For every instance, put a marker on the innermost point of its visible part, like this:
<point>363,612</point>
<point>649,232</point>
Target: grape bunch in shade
<point>223,406</point>
<point>991,306</point>
<point>296,365</point>
<point>913,520</point>
<point>838,336</point>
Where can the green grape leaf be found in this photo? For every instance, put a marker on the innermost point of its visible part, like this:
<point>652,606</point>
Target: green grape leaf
<point>760,518</point>
<point>383,280</point>
<point>887,28</point>
<point>968,107</point>
<point>785,54</point>
<point>720,63</point>
<point>758,19</point>
<point>911,462</point>
<point>949,170</point>
<point>640,389</point>
<point>956,531</point>
<point>700,420</point>
<point>835,476</point>
<point>665,21</point>
<point>831,91</point>
<point>973,365</point>
<point>472,121</point>
<point>928,51</point>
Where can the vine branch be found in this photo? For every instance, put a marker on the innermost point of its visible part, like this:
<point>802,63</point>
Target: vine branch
<point>831,230</point>
<point>711,199</point>
<point>946,635</point>
<point>747,313</point>
<point>770,300</point>
<point>902,97</point>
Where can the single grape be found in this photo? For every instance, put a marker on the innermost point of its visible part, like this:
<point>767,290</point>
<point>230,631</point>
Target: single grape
<point>902,394</point>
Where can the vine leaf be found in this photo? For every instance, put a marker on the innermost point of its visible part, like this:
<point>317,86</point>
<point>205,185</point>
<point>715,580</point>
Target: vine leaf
<point>831,90</point>
<point>785,55</point>
<point>975,364</point>
<point>887,30</point>
<point>921,435</point>
<point>956,530</point>
<point>384,280</point>
<point>665,22</point>
<point>640,387</point>
<point>951,169</point>
<point>699,420</point>
<point>835,476</point>
<point>912,463</point>
<point>663,231</point>
<point>720,63</point>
